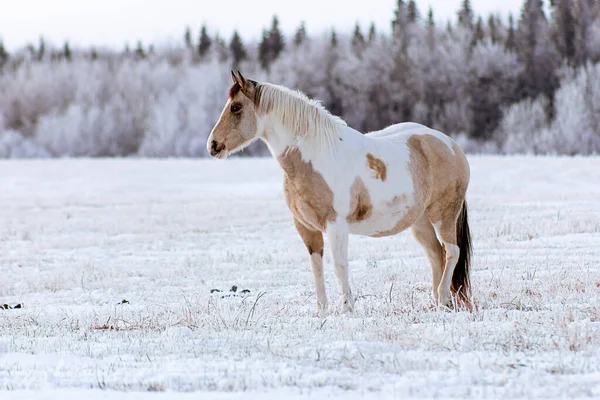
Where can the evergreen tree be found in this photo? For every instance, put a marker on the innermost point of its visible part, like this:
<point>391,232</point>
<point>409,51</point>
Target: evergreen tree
<point>333,42</point>
<point>537,53</point>
<point>430,19</point>
<point>372,32</point>
<point>494,29</point>
<point>238,50</point>
<point>412,11</point>
<point>3,54</point>
<point>42,49</point>
<point>430,38</point>
<point>188,37</point>
<point>358,40</point>
<point>564,28</point>
<point>511,41</point>
<point>478,33</point>
<point>300,35</point>
<point>221,49</point>
<point>276,39</point>
<point>139,50</point>
<point>271,45</point>
<point>465,15</point>
<point>264,50</point>
<point>587,13</point>
<point>204,43</point>
<point>400,18</point>
<point>67,51</point>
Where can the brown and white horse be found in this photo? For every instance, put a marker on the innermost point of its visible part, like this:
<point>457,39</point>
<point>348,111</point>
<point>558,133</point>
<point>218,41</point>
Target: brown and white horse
<point>338,182</point>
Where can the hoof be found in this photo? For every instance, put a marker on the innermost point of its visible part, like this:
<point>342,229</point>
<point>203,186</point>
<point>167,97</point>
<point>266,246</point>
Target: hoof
<point>347,304</point>
<point>322,306</point>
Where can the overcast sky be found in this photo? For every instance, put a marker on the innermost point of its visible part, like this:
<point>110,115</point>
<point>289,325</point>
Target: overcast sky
<point>114,22</point>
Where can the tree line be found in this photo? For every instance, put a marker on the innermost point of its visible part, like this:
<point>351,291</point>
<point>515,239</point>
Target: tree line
<point>528,84</point>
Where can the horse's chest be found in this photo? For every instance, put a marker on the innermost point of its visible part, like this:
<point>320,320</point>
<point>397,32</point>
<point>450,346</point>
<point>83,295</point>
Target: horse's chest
<point>310,202</point>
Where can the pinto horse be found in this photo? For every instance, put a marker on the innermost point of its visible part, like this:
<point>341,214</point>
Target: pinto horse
<point>338,181</point>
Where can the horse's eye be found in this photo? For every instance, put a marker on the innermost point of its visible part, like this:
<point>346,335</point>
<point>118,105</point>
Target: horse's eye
<point>236,108</point>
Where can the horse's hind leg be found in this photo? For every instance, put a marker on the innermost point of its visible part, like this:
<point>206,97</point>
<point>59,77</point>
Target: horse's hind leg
<point>444,216</point>
<point>313,241</point>
<point>424,233</point>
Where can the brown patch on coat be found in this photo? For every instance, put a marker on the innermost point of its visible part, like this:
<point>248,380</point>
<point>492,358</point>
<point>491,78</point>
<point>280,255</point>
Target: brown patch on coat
<point>360,202</point>
<point>398,200</point>
<point>307,194</point>
<point>313,240</point>
<point>443,178</point>
<point>440,181</point>
<point>378,166</point>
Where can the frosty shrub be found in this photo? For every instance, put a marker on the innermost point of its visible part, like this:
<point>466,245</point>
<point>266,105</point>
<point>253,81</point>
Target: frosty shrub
<point>575,127</point>
<point>493,86</point>
<point>14,145</point>
<point>522,126</point>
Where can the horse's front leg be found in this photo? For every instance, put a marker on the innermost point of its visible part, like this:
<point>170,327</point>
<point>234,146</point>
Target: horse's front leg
<point>337,235</point>
<point>313,240</point>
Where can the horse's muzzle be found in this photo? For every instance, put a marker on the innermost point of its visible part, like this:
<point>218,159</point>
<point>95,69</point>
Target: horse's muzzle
<point>216,148</point>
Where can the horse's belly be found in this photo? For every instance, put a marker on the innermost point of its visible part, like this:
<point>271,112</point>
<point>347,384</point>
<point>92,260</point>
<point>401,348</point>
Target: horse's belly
<point>387,220</point>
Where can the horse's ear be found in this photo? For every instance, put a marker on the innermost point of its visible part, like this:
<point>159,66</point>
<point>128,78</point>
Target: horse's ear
<point>248,85</point>
<point>242,81</point>
<point>233,77</point>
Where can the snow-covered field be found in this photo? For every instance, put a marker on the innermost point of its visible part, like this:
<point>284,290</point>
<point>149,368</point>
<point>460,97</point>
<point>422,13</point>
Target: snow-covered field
<point>77,237</point>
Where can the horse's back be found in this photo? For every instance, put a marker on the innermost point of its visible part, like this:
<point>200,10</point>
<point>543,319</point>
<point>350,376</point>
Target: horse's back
<point>434,159</point>
<point>403,131</point>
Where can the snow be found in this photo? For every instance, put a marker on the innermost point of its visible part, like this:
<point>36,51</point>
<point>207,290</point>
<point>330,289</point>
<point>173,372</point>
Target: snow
<point>78,236</point>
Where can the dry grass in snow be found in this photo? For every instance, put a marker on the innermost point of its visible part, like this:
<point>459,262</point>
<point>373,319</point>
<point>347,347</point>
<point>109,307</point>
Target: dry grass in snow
<point>79,236</point>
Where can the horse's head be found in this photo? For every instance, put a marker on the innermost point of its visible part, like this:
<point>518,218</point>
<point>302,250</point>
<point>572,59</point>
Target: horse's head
<point>239,124</point>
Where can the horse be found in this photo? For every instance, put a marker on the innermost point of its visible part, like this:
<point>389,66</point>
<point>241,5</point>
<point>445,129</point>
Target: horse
<point>338,182</point>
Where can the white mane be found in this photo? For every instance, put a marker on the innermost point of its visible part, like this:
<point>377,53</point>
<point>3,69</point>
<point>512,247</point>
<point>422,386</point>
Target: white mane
<point>305,118</point>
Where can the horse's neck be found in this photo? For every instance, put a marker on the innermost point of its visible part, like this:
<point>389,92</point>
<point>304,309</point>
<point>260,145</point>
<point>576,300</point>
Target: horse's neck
<point>318,151</point>
<point>277,138</point>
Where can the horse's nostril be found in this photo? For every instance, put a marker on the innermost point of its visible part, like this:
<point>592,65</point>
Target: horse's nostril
<point>213,145</point>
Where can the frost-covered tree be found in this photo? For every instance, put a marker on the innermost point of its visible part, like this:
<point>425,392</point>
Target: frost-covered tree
<point>489,85</point>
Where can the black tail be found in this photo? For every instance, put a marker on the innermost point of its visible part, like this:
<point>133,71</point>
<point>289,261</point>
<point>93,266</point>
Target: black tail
<point>461,283</point>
